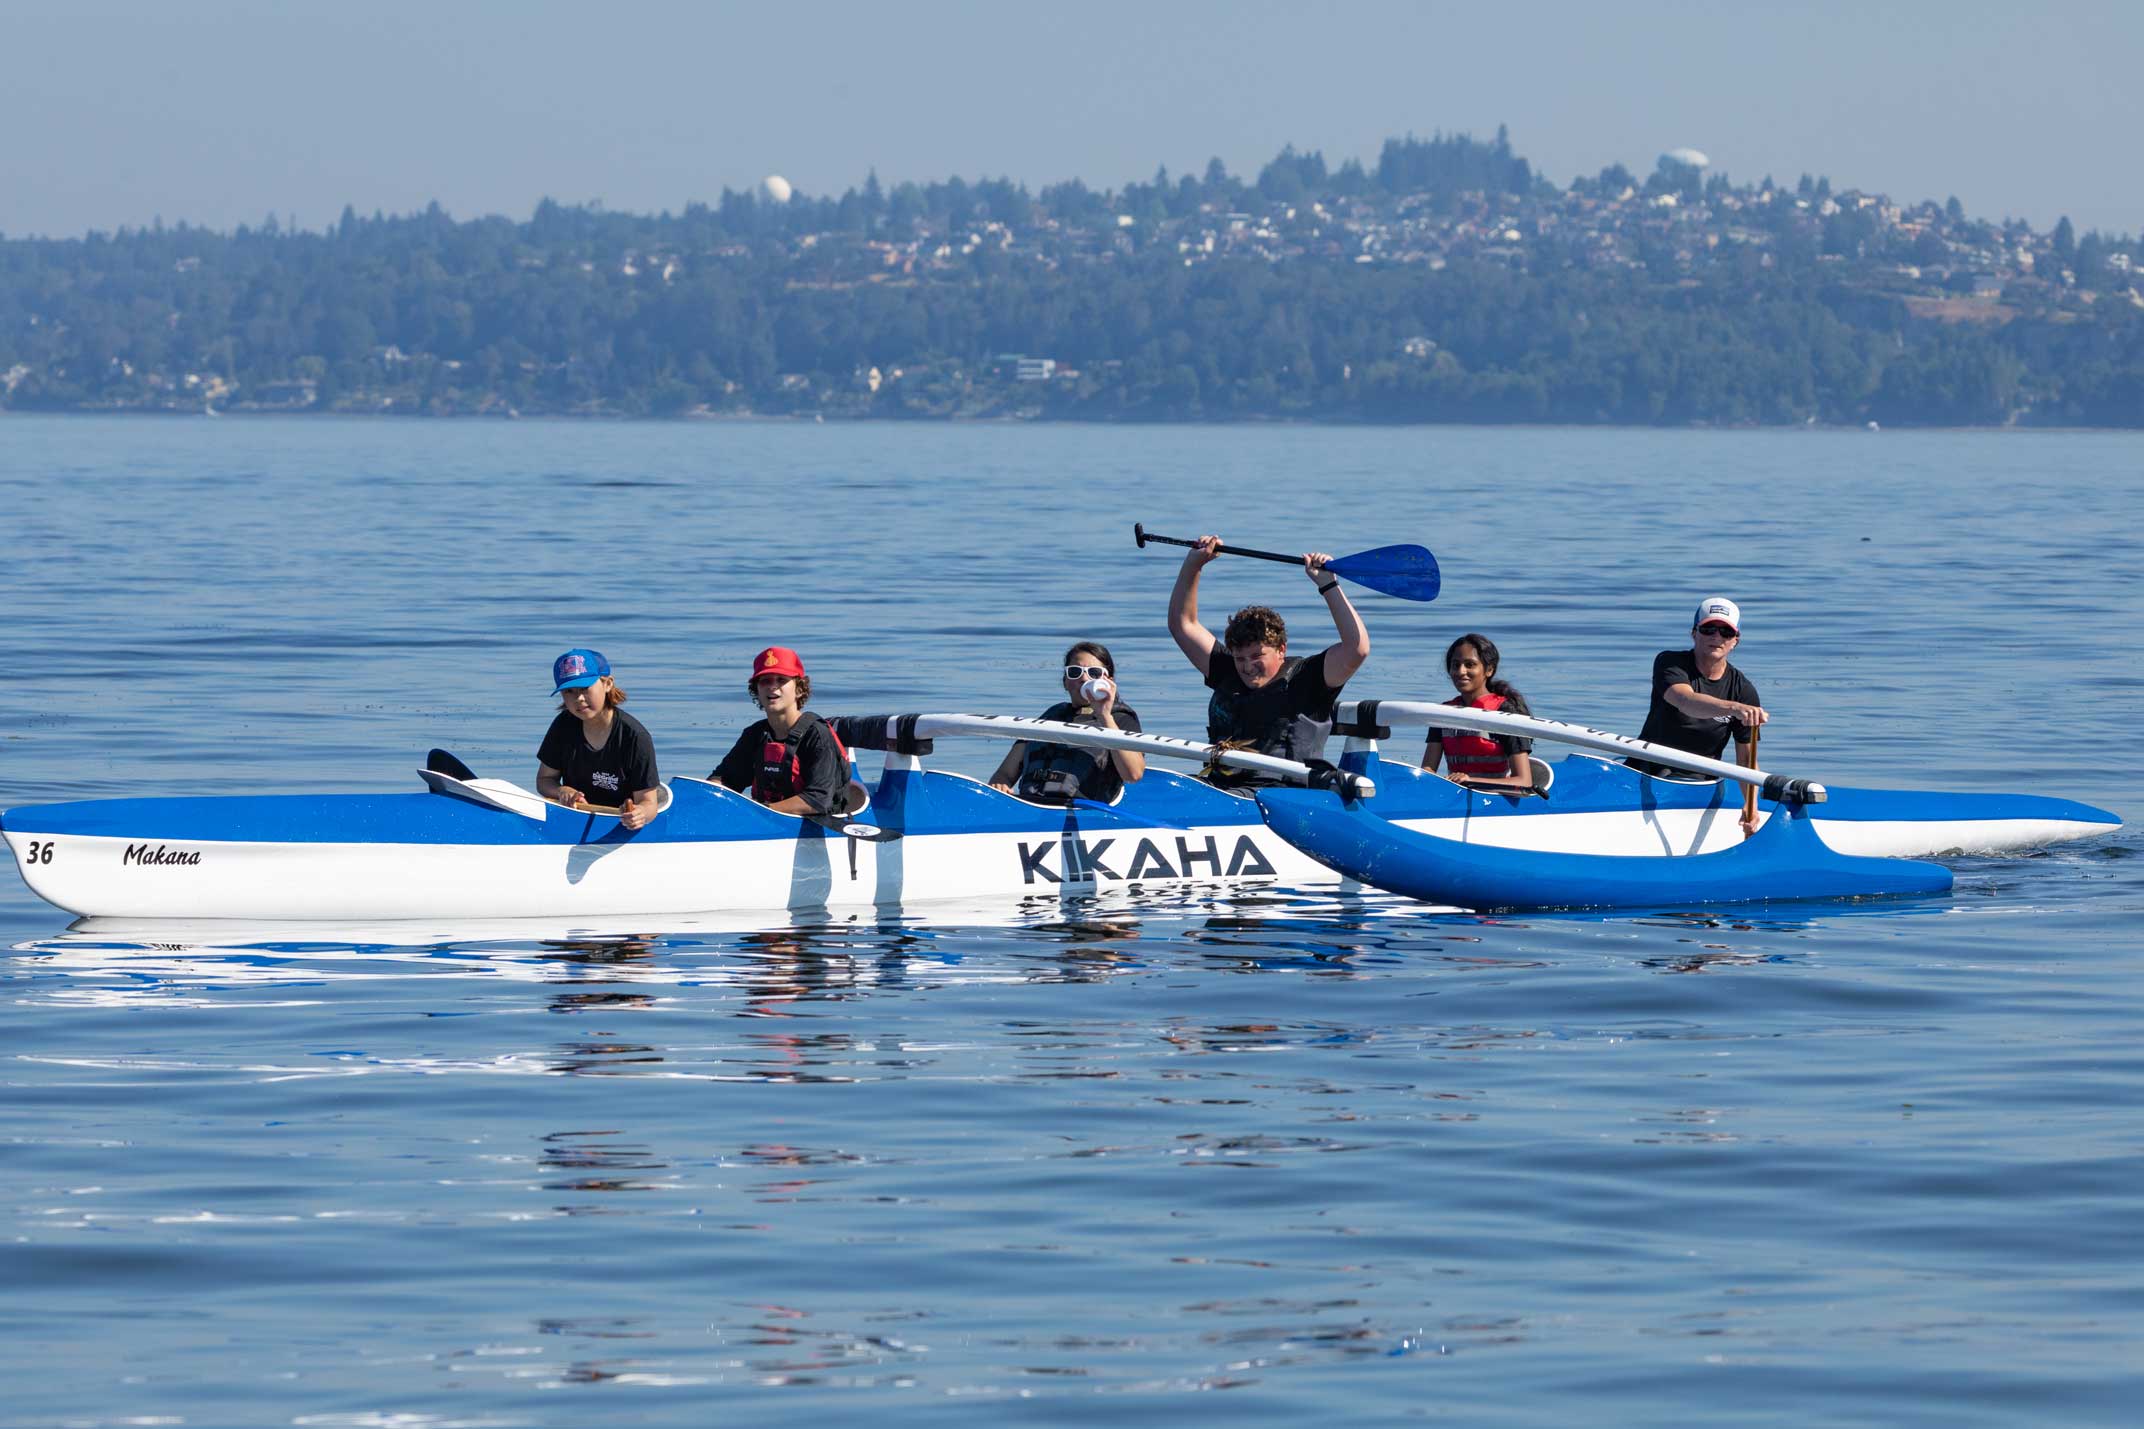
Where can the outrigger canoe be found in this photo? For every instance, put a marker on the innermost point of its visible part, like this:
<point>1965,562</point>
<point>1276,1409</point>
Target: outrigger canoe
<point>485,848</point>
<point>1594,802</point>
<point>1594,834</point>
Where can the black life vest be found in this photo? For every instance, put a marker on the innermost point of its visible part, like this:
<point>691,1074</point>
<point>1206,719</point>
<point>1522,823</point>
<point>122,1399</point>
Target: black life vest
<point>1264,720</point>
<point>781,773</point>
<point>1058,773</point>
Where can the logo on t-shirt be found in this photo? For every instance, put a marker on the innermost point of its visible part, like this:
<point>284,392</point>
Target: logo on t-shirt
<point>604,779</point>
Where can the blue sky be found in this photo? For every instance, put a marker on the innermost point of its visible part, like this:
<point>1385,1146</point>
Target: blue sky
<point>220,112</point>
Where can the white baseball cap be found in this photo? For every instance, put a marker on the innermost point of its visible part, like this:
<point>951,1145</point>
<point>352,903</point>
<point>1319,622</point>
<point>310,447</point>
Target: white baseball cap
<point>1720,608</point>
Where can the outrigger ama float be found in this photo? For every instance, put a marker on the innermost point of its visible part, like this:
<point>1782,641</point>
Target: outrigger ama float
<point>1596,833</point>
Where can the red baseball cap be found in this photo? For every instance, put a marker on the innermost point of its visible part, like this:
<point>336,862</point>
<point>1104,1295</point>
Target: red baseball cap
<point>777,660</point>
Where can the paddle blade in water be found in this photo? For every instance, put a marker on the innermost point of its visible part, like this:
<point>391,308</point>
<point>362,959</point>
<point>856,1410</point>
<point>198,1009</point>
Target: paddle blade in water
<point>1409,572</point>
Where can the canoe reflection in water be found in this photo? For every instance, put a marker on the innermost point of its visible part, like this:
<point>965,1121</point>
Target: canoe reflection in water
<point>610,1165</point>
<point>599,954</point>
<point>602,1054</point>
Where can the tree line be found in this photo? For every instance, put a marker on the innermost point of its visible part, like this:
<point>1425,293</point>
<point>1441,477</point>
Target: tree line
<point>820,305</point>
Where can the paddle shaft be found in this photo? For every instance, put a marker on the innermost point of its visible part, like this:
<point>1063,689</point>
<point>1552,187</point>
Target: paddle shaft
<point>1749,791</point>
<point>1142,536</point>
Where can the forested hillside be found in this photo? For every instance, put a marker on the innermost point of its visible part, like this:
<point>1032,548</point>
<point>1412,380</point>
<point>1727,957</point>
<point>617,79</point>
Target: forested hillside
<point>1449,282</point>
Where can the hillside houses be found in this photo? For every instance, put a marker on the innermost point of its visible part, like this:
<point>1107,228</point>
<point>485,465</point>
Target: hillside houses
<point>1873,238</point>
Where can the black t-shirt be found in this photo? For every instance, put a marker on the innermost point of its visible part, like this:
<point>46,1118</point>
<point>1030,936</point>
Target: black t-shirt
<point>1665,724</point>
<point>1042,772</point>
<point>808,762</point>
<point>623,767</point>
<point>1289,716</point>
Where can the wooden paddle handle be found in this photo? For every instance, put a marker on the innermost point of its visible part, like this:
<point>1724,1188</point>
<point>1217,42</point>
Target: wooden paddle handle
<point>1749,791</point>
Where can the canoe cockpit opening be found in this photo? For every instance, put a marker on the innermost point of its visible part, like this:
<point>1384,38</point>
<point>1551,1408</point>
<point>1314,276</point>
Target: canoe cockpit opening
<point>853,799</point>
<point>1058,804</point>
<point>1669,776</point>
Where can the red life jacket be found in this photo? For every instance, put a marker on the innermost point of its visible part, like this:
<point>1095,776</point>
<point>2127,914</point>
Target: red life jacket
<point>1466,753</point>
<point>781,774</point>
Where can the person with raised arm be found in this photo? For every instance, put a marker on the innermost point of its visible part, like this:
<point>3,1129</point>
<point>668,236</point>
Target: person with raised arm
<point>790,759</point>
<point>1263,698</point>
<point>1481,761</point>
<point>595,756</point>
<point>1060,773</point>
<point>1699,697</point>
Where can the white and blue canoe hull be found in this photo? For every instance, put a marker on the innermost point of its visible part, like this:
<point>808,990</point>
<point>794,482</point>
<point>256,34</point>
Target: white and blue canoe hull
<point>1600,834</point>
<point>1784,861</point>
<point>356,857</point>
<point>485,849</point>
<point>1596,805</point>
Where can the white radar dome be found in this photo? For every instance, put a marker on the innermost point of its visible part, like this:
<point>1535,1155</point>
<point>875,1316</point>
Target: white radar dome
<point>1695,158</point>
<point>774,189</point>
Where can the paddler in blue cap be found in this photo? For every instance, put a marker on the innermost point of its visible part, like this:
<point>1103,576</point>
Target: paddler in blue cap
<point>1698,697</point>
<point>1264,699</point>
<point>595,755</point>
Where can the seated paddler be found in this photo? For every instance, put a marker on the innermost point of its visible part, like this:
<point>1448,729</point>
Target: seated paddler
<point>1699,697</point>
<point>1485,761</point>
<point>1265,699</point>
<point>1060,773</point>
<point>789,759</point>
<point>595,756</point>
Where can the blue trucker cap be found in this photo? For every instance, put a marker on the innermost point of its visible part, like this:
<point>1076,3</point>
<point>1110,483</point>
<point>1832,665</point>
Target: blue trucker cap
<point>577,668</point>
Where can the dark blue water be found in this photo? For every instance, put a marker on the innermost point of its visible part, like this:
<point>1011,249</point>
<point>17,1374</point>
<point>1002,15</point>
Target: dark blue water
<point>1337,1159</point>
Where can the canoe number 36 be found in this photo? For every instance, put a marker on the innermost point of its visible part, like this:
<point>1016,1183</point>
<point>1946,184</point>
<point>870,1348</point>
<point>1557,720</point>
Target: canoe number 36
<point>40,851</point>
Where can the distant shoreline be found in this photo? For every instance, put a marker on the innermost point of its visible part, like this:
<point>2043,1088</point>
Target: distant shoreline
<point>244,414</point>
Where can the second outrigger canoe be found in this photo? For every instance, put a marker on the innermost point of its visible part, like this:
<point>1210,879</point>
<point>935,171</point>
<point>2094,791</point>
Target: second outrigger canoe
<point>1594,802</point>
<point>1600,834</point>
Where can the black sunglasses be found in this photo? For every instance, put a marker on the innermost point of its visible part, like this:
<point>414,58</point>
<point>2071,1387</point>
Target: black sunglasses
<point>1087,672</point>
<point>1727,632</point>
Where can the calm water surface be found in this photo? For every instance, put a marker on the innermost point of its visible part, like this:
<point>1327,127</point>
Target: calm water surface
<point>1273,1159</point>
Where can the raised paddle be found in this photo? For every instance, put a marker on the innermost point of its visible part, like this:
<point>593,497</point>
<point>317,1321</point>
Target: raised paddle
<point>1409,572</point>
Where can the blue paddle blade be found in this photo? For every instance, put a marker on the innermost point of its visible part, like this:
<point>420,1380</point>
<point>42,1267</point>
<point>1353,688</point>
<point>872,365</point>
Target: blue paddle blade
<point>1409,572</point>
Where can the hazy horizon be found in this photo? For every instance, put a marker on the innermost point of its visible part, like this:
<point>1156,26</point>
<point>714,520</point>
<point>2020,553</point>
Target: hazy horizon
<point>233,110</point>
